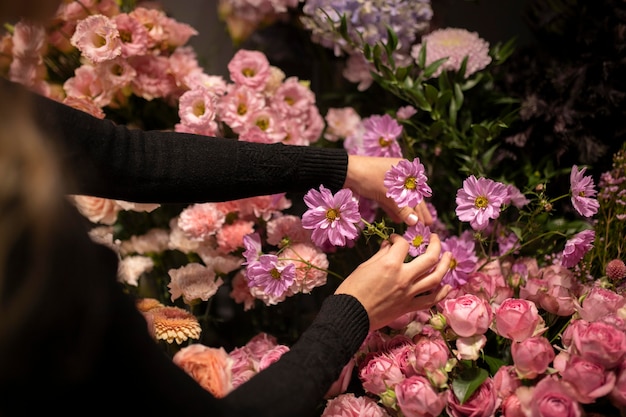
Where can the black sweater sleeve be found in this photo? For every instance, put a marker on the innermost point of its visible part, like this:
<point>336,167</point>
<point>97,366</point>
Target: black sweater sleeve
<point>113,161</point>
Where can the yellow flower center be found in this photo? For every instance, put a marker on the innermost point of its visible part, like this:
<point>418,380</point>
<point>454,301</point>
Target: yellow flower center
<point>417,240</point>
<point>198,108</point>
<point>410,183</point>
<point>98,41</point>
<point>452,263</point>
<point>383,142</point>
<point>332,215</point>
<point>289,100</point>
<point>481,202</point>
<point>248,72</point>
<point>581,193</point>
<point>263,124</point>
<point>242,109</point>
<point>275,274</point>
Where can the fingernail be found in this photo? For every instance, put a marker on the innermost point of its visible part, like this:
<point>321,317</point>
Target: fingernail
<point>411,219</point>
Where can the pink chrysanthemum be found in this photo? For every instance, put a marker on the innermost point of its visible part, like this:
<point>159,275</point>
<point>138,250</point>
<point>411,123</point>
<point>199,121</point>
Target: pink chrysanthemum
<point>97,38</point>
<point>270,275</point>
<point>454,44</point>
<point>381,136</point>
<point>418,237</point>
<point>582,189</point>
<point>333,219</point>
<point>577,247</point>
<point>480,200</point>
<point>193,281</point>
<point>406,183</point>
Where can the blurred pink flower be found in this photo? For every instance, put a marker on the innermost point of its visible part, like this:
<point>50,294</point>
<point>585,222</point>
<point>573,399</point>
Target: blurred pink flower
<point>381,136</point>
<point>418,398</point>
<point>349,405</point>
<point>482,403</point>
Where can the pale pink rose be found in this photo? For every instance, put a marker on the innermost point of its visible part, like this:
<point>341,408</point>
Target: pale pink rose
<point>230,236</point>
<point>374,342</point>
<point>210,367</point>
<point>97,38</point>
<point>511,407</point>
<point>193,281</point>
<point>532,356</point>
<point>260,344</point>
<point>379,373</point>
<point>241,292</point>
<point>416,397</point>
<point>506,381</point>
<point>286,229</point>
<point>404,356</point>
<point>431,354</point>
<point>488,286</point>
<point>555,291</point>
<point>131,268</point>
<point>467,315</point>
<point>341,123</point>
<point>348,405</point>
<point>96,209</point>
<point>311,266</point>
<point>518,319</point>
<point>470,348</point>
<point>589,380</point>
<point>200,221</point>
<point>272,356</point>
<point>617,396</point>
<point>482,402</point>
<point>249,68</point>
<point>341,384</point>
<point>551,397</point>
<point>599,342</point>
<point>599,302</point>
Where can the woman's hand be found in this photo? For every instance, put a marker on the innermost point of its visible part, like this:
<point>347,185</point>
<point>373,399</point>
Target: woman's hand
<point>388,287</point>
<point>365,177</point>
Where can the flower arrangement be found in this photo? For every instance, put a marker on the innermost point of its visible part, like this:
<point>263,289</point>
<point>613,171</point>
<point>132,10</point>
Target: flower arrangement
<point>535,322</point>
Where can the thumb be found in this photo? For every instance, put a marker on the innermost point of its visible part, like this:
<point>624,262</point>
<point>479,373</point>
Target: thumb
<point>408,215</point>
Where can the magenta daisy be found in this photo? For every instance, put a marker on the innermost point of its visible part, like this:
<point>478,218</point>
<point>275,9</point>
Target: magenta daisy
<point>480,200</point>
<point>406,183</point>
<point>582,189</point>
<point>381,136</point>
<point>576,247</point>
<point>271,276</point>
<point>463,261</point>
<point>418,237</point>
<point>333,218</point>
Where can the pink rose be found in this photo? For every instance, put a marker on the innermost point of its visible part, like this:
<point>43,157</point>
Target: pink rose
<point>379,373</point>
<point>467,315</point>
<point>210,367</point>
<point>517,319</point>
<point>549,398</point>
<point>599,302</point>
<point>511,407</point>
<point>348,405</point>
<point>600,342</point>
<point>96,209</point>
<point>589,380</point>
<point>506,381</point>
<point>341,384</point>
<point>430,355</point>
<point>618,394</point>
<point>482,403</point>
<point>469,348</point>
<point>532,356</point>
<point>272,356</point>
<point>416,397</point>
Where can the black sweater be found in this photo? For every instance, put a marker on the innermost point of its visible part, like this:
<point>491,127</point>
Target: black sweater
<point>86,348</point>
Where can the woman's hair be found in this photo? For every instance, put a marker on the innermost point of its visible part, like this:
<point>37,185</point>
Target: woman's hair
<point>30,200</point>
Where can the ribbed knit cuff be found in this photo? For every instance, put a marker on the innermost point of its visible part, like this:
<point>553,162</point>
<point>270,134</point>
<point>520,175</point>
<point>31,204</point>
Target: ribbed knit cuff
<point>348,318</point>
<point>327,164</point>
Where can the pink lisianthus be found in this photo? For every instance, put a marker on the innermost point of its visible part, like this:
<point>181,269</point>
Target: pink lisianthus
<point>482,403</point>
<point>249,68</point>
<point>518,319</point>
<point>333,218</point>
<point>416,397</point>
<point>97,38</point>
<point>467,315</point>
<point>583,192</point>
<point>406,183</point>
<point>479,201</point>
<point>532,356</point>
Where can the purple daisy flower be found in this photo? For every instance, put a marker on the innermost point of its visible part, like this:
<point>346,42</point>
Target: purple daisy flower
<point>576,247</point>
<point>270,275</point>
<point>480,200</point>
<point>333,219</point>
<point>463,261</point>
<point>406,183</point>
<point>252,248</point>
<point>582,189</point>
<point>418,237</point>
<point>381,136</point>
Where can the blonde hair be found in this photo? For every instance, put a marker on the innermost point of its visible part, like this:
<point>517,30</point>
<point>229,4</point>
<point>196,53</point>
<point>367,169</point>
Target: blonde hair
<point>30,200</point>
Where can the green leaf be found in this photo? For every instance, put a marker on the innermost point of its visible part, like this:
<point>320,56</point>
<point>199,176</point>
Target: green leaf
<point>431,93</point>
<point>421,57</point>
<point>493,363</point>
<point>392,42</point>
<point>430,70</point>
<point>468,382</point>
<point>481,131</point>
